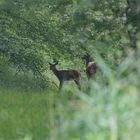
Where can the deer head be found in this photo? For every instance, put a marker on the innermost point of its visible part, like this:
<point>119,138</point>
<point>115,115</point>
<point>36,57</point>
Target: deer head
<point>53,66</point>
<point>87,58</point>
<point>65,75</point>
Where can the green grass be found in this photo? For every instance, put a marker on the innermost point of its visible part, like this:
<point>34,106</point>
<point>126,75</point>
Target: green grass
<point>23,114</point>
<point>108,110</point>
<point>54,116</point>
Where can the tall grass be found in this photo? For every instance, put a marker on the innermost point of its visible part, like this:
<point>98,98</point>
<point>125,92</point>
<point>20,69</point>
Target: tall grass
<point>108,110</point>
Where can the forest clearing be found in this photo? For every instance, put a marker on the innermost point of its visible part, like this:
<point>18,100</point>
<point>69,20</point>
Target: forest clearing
<point>69,70</point>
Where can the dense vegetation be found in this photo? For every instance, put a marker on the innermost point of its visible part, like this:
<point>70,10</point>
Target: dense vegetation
<point>36,32</point>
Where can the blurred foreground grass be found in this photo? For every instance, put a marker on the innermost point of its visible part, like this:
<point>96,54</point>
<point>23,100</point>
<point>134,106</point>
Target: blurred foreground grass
<point>109,111</point>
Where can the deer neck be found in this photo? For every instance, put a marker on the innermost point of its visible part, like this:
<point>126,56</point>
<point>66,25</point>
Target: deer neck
<point>56,72</point>
<point>88,61</point>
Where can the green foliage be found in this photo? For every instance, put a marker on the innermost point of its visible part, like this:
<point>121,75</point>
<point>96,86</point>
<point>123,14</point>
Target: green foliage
<point>35,32</point>
<point>109,110</point>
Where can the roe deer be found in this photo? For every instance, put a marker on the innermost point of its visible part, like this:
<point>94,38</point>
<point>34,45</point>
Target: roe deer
<point>66,75</point>
<point>91,66</point>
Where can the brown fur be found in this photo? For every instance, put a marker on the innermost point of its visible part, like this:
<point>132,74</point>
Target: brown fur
<point>91,66</point>
<point>66,75</point>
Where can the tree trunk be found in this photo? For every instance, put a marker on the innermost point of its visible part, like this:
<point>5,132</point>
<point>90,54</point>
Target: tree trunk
<point>132,21</point>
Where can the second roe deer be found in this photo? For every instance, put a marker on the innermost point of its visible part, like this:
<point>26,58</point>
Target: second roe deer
<point>91,65</point>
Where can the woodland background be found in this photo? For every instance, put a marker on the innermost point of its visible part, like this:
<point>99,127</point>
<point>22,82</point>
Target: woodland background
<point>35,32</point>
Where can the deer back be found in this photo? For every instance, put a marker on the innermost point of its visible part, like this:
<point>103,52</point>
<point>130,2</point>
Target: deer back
<point>69,74</point>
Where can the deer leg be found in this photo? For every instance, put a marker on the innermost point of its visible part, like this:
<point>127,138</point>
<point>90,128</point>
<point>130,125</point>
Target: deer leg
<point>78,84</point>
<point>60,85</point>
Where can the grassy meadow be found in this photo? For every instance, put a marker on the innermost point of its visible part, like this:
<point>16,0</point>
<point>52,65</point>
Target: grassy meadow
<point>105,111</point>
<point>39,38</point>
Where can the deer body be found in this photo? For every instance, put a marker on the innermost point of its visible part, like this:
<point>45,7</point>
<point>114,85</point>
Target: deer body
<point>91,70</point>
<point>91,66</point>
<point>66,75</point>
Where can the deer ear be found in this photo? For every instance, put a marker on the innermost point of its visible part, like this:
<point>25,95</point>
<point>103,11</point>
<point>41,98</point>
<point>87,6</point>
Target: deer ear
<point>50,63</point>
<point>56,63</point>
<point>87,54</point>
